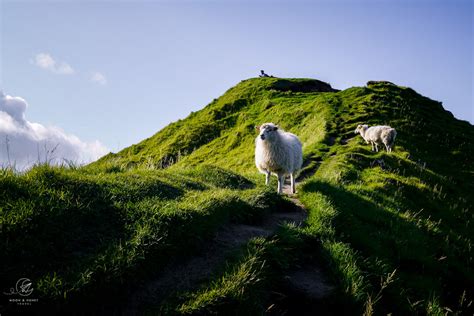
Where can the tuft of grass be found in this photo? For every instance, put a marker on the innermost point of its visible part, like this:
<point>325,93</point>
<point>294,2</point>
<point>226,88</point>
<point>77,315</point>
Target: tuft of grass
<point>242,286</point>
<point>234,292</point>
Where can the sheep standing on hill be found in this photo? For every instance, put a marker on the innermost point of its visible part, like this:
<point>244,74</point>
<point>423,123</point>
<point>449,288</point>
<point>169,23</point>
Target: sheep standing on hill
<point>278,152</point>
<point>378,135</point>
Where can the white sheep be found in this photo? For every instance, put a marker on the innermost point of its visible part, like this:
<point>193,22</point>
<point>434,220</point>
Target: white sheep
<point>278,152</point>
<point>377,135</point>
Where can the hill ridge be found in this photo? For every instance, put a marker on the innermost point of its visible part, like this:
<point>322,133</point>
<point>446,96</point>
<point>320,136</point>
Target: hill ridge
<point>232,116</point>
<point>392,231</point>
<point>429,172</point>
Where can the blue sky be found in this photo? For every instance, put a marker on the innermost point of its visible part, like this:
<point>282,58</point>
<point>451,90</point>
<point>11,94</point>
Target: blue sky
<point>135,66</point>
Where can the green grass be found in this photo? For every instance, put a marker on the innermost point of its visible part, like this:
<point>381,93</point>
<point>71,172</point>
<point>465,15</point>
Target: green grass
<point>400,217</point>
<point>392,231</point>
<point>241,286</point>
<point>78,233</point>
<point>234,293</point>
<point>223,132</point>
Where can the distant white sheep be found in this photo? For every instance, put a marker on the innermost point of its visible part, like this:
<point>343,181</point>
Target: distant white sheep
<point>278,152</point>
<point>377,135</point>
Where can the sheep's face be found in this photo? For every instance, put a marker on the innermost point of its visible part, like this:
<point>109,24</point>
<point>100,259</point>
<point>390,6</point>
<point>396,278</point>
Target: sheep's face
<point>267,130</point>
<point>360,128</point>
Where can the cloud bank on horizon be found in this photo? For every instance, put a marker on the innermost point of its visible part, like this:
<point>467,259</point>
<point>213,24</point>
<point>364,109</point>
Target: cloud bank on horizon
<point>24,143</point>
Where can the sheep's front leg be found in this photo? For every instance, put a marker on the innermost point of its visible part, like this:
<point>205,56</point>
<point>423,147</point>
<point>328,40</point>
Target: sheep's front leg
<point>372,144</point>
<point>281,180</point>
<point>267,178</point>
<point>293,189</point>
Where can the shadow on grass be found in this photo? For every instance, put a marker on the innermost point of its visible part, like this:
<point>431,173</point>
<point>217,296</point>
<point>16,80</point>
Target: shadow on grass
<point>58,234</point>
<point>59,224</point>
<point>219,177</point>
<point>387,242</point>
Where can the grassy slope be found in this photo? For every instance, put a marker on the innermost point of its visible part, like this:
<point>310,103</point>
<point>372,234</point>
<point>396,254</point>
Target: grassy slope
<point>92,233</point>
<point>370,213</point>
<point>408,212</point>
<point>224,130</point>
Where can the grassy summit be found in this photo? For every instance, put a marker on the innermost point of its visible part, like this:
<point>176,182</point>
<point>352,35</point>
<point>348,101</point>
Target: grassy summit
<point>393,232</point>
<point>224,130</point>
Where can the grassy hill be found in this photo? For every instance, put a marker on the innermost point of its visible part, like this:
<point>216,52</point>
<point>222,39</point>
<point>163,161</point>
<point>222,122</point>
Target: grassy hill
<point>393,232</point>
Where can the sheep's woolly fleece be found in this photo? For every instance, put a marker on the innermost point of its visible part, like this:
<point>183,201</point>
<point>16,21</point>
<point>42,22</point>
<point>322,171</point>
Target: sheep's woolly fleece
<point>279,152</point>
<point>24,143</point>
<point>284,153</point>
<point>378,136</point>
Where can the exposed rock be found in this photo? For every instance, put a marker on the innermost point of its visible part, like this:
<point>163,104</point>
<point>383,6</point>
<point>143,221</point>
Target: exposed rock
<point>374,82</point>
<point>309,85</point>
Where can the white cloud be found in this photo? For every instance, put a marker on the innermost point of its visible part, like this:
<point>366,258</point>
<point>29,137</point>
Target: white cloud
<point>44,61</point>
<point>47,62</point>
<point>99,78</point>
<point>24,143</point>
<point>64,69</point>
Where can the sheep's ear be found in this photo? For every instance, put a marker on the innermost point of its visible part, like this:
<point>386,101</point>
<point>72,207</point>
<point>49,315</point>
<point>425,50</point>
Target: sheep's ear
<point>257,127</point>
<point>275,128</point>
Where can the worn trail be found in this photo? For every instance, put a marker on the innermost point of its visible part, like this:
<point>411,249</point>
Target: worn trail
<point>188,275</point>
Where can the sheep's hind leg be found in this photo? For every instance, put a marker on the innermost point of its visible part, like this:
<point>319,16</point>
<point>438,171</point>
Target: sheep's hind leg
<point>281,180</point>
<point>293,189</point>
<point>267,177</point>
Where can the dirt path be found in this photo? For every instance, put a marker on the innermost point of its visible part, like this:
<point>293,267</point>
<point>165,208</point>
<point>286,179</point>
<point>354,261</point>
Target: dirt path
<point>188,275</point>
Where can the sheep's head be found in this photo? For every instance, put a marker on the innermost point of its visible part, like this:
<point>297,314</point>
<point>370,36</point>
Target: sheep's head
<point>361,128</point>
<point>266,130</point>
